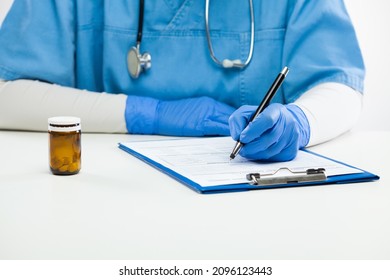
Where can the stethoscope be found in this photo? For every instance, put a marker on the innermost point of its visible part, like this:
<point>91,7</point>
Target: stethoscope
<point>138,63</point>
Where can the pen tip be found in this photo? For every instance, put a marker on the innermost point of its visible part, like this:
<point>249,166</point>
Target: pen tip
<point>232,156</point>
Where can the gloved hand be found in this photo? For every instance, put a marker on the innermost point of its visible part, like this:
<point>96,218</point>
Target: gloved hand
<point>202,116</point>
<point>275,135</point>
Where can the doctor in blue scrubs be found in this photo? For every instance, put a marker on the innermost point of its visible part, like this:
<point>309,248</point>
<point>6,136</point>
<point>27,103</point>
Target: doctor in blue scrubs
<point>204,66</point>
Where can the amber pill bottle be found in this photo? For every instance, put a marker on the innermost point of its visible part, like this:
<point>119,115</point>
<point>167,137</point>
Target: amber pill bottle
<point>64,145</point>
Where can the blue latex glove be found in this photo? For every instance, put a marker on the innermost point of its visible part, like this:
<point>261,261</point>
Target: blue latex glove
<point>202,116</point>
<point>275,135</point>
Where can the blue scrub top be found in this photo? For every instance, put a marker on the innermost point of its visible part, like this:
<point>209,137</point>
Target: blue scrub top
<point>84,44</point>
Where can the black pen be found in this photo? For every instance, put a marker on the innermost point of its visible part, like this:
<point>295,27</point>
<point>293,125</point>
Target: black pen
<point>267,98</point>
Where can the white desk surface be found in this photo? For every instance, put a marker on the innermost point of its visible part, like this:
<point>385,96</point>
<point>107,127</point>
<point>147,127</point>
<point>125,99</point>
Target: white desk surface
<point>118,207</point>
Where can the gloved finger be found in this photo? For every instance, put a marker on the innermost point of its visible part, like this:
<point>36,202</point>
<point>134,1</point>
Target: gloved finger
<point>218,123</point>
<point>263,141</point>
<point>287,154</point>
<point>265,121</point>
<point>224,110</point>
<point>256,150</point>
<point>215,128</point>
<point>240,119</point>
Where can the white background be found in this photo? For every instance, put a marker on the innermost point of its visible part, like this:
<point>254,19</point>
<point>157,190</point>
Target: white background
<point>372,22</point>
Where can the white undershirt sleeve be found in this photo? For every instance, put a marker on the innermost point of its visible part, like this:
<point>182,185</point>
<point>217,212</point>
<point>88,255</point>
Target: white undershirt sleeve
<point>27,104</point>
<point>331,109</point>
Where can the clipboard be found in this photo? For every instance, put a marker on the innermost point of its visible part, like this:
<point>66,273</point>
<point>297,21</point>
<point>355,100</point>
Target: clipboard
<point>282,177</point>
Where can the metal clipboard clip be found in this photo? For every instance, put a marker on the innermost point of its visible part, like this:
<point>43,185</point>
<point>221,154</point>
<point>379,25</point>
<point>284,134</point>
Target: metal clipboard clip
<point>279,177</point>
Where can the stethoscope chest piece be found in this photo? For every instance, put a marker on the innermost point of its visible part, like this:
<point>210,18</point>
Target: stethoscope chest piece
<point>137,63</point>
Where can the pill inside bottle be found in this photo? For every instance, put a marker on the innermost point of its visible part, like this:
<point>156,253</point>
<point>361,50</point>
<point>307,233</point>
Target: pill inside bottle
<point>64,145</point>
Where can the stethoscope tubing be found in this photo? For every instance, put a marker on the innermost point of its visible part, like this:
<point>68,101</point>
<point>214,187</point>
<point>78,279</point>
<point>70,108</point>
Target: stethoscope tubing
<point>140,21</point>
<point>233,63</point>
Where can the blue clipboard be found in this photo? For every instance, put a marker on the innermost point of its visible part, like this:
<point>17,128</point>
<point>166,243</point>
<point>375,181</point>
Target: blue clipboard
<point>311,177</point>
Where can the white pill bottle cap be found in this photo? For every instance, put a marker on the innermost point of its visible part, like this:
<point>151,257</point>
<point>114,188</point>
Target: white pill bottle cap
<point>64,124</point>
